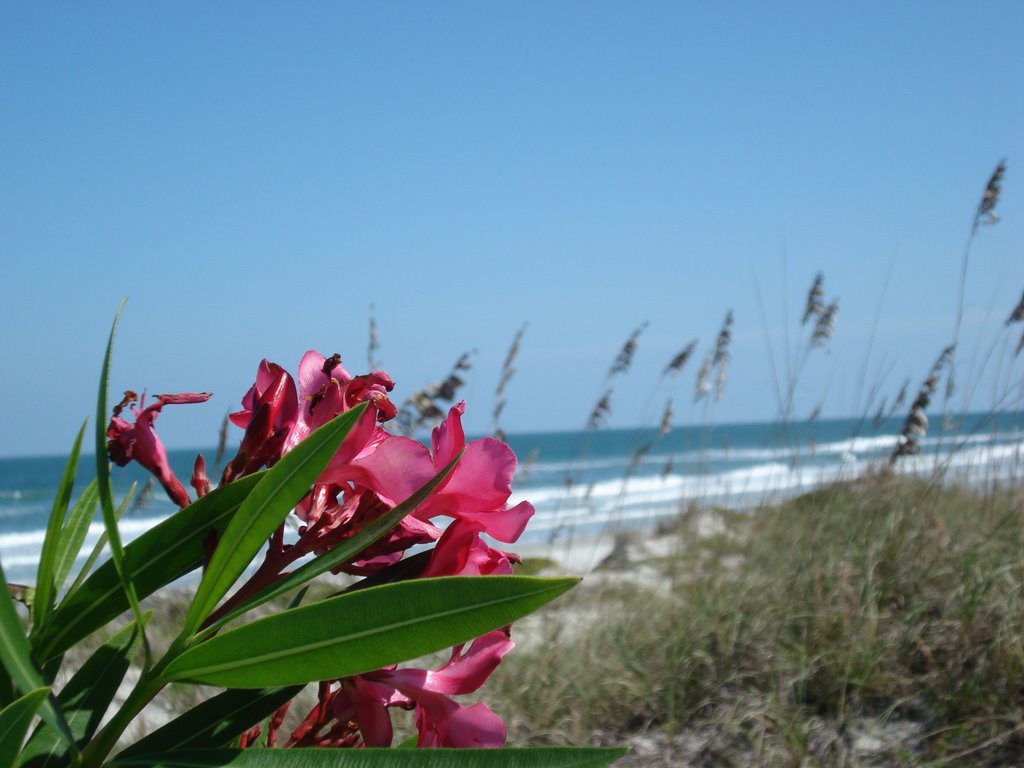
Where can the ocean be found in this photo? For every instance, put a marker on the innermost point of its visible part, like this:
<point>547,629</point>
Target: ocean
<point>603,481</point>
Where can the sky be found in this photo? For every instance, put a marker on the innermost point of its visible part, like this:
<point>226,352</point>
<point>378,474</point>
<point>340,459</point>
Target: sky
<point>257,178</point>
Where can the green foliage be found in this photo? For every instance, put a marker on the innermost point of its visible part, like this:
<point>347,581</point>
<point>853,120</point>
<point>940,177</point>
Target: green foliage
<point>21,667</point>
<point>339,554</point>
<point>57,540</point>
<point>85,698</point>
<point>264,509</point>
<point>158,557</point>
<point>15,720</point>
<point>263,664</point>
<point>362,631</point>
<point>215,722</point>
<point>106,491</point>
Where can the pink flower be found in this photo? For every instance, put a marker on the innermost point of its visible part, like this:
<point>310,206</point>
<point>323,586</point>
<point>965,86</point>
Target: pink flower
<point>139,441</point>
<point>476,491</point>
<point>276,418</point>
<point>368,476</point>
<point>269,413</point>
<point>461,552</point>
<point>361,703</point>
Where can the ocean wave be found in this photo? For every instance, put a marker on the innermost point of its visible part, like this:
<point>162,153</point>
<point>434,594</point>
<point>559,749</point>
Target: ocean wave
<point>129,530</point>
<point>739,478</point>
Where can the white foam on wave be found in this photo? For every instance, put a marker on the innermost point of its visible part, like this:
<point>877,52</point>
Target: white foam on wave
<point>129,530</point>
<point>976,459</point>
<point>651,497</point>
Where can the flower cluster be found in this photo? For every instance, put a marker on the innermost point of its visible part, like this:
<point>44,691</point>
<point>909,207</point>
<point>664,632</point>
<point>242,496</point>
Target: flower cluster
<point>372,472</point>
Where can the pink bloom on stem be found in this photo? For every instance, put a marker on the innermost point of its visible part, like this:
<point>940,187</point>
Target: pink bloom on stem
<point>139,442</point>
<point>326,389</point>
<point>329,522</point>
<point>476,491</point>
<point>276,417</point>
<point>362,702</point>
<point>268,415</point>
<point>440,721</point>
<point>199,479</point>
<point>461,552</point>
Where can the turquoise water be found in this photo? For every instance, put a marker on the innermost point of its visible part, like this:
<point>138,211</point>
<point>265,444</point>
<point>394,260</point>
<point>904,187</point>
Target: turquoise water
<point>591,482</point>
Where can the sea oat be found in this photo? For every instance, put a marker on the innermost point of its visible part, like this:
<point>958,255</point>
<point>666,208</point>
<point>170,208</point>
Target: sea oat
<point>723,340</point>
<point>901,397</point>
<point>985,215</point>
<point>716,360</point>
<point>600,412</point>
<point>916,424</point>
<point>815,296</point>
<point>625,357</point>
<point>720,380</point>
<point>702,386</point>
<point>1017,316</point>
<point>222,441</point>
<point>507,372</point>
<point>421,408</point>
<point>825,326</point>
<point>144,497</point>
<point>666,420</point>
<point>635,460</point>
<point>677,363</point>
<point>1018,313</point>
<point>722,357</point>
<point>667,469</point>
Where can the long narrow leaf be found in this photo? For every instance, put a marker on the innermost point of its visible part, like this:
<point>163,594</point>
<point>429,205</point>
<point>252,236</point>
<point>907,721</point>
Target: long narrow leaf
<point>15,720</point>
<point>101,542</point>
<point>362,631</point>
<point>544,757</point>
<point>74,533</point>
<point>215,722</point>
<point>283,487</point>
<point>157,557</point>
<point>17,659</point>
<point>342,553</point>
<point>46,588</point>
<point>106,490</point>
<point>7,692</point>
<point>85,698</point>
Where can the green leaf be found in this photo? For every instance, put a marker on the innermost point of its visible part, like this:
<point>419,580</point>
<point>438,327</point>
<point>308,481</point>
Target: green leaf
<point>101,542</point>
<point>157,557</point>
<point>362,631</point>
<point>15,720</point>
<point>215,722</point>
<point>7,692</point>
<point>46,588</point>
<point>75,531</point>
<point>85,698</point>
<point>342,553</point>
<point>280,490</point>
<point>106,489</point>
<point>544,757</point>
<point>17,659</point>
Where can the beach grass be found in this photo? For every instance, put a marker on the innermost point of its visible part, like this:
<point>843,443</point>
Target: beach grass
<point>876,622</point>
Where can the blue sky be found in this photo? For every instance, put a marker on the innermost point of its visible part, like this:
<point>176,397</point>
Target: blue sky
<point>253,176</point>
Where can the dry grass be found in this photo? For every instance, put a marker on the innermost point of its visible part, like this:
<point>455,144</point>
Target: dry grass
<point>886,602</point>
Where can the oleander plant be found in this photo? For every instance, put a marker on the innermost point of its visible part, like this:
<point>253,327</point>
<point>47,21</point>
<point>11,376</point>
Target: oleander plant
<point>318,486</point>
